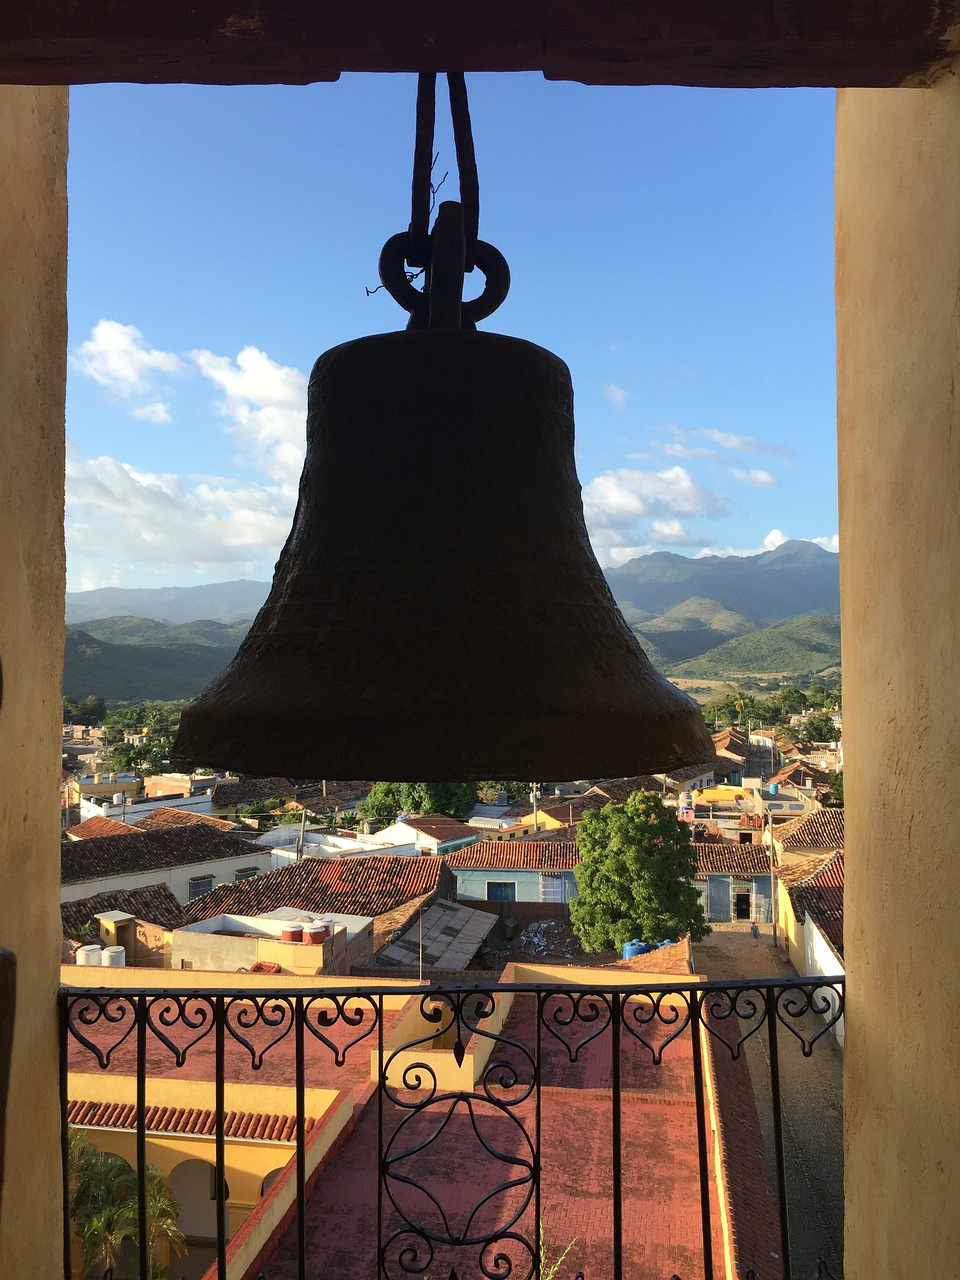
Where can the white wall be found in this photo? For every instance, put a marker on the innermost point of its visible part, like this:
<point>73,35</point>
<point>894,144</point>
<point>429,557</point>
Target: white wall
<point>177,879</point>
<point>820,961</point>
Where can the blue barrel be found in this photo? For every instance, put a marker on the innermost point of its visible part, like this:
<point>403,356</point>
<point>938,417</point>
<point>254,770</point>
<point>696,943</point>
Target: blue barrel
<point>631,949</point>
<point>774,788</point>
<point>667,942</point>
<point>643,948</point>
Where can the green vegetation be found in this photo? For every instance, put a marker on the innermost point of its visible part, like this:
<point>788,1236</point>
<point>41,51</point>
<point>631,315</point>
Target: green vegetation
<point>103,1210</point>
<point>738,706</point>
<point>159,720</point>
<point>807,646</point>
<point>818,727</point>
<point>130,630</point>
<point>693,628</point>
<point>387,799</point>
<point>90,711</point>
<point>124,672</point>
<point>636,876</point>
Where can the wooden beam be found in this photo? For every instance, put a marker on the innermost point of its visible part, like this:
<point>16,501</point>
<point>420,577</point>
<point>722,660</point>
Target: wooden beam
<point>736,43</point>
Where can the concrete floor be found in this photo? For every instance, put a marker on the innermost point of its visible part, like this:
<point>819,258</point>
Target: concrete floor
<point>812,1104</point>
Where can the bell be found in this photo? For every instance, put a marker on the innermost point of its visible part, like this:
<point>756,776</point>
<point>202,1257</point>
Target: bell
<point>437,611</point>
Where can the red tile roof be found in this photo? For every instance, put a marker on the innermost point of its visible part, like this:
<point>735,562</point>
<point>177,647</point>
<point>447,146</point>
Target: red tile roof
<point>820,830</point>
<point>732,742</point>
<point>619,790</point>
<point>801,775</point>
<point>95,827</point>
<point>165,817</point>
<point>236,1124</point>
<point>728,859</point>
<point>362,886</point>
<point>439,826</point>
<point>516,855</point>
<point>231,795</point>
<point>140,851</point>
<point>820,897</point>
<point>153,903</point>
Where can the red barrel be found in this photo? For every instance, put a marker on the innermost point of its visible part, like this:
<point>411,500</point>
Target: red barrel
<point>291,933</point>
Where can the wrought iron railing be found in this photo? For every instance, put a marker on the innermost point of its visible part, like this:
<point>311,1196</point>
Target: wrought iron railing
<point>493,1125</point>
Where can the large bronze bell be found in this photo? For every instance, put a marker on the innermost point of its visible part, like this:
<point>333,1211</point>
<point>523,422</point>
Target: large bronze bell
<point>437,611</point>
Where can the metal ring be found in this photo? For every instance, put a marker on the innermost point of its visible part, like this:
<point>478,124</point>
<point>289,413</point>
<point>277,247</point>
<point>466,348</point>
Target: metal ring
<point>490,261</point>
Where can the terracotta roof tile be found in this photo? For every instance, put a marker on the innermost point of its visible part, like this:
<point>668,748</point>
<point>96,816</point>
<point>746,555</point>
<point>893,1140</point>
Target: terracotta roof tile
<point>100,825</point>
<point>728,859</point>
<point>358,885</point>
<point>820,896</point>
<point>153,903</point>
<point>732,742</point>
<point>236,1124</point>
<point>140,851</point>
<point>799,775</point>
<point>516,855</point>
<point>619,790</point>
<point>820,830</point>
<point>440,827</point>
<point>163,818</point>
<point>229,795</point>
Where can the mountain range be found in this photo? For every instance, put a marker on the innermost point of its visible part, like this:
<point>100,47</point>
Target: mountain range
<point>712,617</point>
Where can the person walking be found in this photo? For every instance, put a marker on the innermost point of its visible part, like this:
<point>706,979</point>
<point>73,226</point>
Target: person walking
<point>755,933</point>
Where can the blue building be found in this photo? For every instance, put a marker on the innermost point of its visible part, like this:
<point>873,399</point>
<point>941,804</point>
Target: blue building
<point>516,871</point>
<point>734,881</point>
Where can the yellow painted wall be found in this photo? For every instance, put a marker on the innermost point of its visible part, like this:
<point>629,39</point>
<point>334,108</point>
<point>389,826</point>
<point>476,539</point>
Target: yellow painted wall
<point>33,151</point>
<point>790,932</point>
<point>898,337</point>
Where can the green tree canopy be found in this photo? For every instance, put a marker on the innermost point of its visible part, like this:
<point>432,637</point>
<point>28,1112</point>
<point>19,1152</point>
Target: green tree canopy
<point>836,790</point>
<point>387,799</point>
<point>818,727</point>
<point>636,876</point>
<point>159,719</point>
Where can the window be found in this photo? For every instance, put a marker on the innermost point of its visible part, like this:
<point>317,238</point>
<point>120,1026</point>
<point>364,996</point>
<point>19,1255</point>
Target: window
<point>246,873</point>
<point>501,891</point>
<point>199,885</point>
<point>552,887</point>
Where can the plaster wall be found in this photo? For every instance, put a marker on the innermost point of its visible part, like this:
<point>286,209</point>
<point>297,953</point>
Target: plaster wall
<point>898,334</point>
<point>821,961</point>
<point>177,879</point>
<point>33,337</point>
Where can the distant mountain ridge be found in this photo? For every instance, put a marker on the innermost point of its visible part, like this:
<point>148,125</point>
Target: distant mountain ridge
<point>795,579</point>
<point>217,601</point>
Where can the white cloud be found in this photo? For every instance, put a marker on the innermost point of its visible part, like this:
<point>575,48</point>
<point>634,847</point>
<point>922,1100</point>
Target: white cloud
<point>692,453</point>
<point>671,533</point>
<point>265,404</point>
<point>757,476</point>
<point>616,395</point>
<point>617,502</point>
<point>118,359</point>
<point>831,543</point>
<point>155,411</point>
<point>728,440</point>
<point>117,514</point>
<point>774,539</point>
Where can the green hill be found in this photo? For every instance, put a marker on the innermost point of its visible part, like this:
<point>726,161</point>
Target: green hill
<point>134,672</point>
<point>693,628</point>
<point>800,646</point>
<point>131,630</point>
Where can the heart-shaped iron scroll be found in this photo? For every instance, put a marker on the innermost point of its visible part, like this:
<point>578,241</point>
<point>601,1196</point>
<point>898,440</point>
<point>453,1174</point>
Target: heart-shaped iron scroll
<point>329,1011</point>
<point>733,1006</point>
<point>180,1022</point>
<point>653,1010</point>
<point>259,1023</point>
<point>822,999</point>
<point>106,1013</point>
<point>573,1008</point>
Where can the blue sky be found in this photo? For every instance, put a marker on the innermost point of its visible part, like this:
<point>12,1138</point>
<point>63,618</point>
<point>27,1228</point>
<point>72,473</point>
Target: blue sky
<point>673,246</point>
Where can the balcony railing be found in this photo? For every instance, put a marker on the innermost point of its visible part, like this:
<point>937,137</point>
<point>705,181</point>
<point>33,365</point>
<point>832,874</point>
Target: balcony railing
<point>469,1131</point>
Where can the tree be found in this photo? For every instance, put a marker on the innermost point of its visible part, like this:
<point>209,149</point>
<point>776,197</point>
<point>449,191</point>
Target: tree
<point>636,876</point>
<point>158,719</point>
<point>103,1208</point>
<point>836,790</point>
<point>818,727</point>
<point>387,799</point>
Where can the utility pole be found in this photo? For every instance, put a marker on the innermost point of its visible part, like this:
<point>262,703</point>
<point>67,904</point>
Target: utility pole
<point>534,797</point>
